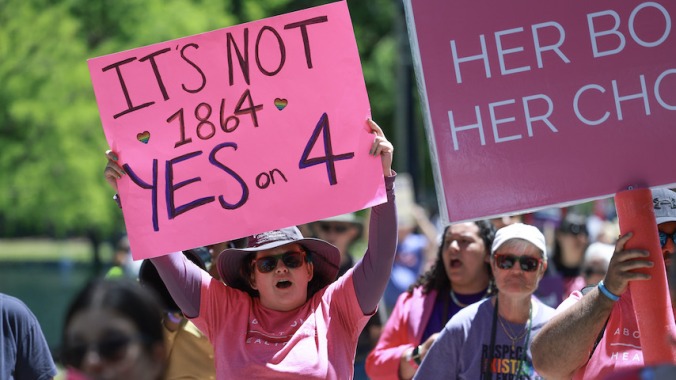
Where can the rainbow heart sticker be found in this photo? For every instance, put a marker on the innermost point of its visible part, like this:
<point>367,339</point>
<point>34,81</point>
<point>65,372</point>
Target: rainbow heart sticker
<point>143,137</point>
<point>281,103</point>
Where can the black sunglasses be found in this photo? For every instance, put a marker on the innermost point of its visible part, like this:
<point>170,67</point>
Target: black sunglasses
<point>110,349</point>
<point>291,259</point>
<point>527,263</point>
<point>337,228</point>
<point>664,236</point>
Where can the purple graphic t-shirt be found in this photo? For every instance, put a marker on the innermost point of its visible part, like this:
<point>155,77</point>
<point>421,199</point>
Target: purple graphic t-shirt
<point>463,347</point>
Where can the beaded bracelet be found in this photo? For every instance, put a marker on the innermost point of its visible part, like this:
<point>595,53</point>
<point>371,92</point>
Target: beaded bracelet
<point>607,293</point>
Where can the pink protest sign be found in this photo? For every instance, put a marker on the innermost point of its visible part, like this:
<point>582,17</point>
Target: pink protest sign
<point>538,103</point>
<point>240,130</point>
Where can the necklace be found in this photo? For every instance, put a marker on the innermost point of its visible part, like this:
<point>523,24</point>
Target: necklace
<point>462,305</point>
<point>487,367</point>
<point>510,334</point>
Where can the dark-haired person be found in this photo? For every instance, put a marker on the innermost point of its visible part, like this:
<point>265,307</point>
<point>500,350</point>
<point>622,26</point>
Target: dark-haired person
<point>112,331</point>
<point>24,353</point>
<point>190,355</point>
<point>460,276</point>
<point>567,258</point>
<point>282,313</point>
<point>491,339</point>
<point>569,346</point>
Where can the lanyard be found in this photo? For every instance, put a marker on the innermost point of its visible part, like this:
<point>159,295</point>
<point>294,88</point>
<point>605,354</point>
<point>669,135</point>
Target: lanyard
<point>489,362</point>
<point>487,367</point>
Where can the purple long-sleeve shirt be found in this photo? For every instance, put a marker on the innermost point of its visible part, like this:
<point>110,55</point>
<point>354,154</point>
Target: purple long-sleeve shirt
<point>183,278</point>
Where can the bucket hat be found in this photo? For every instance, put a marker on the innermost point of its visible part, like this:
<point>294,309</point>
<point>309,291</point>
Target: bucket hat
<point>324,256</point>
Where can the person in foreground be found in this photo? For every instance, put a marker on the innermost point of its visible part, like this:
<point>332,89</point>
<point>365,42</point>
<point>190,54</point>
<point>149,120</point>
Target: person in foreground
<point>460,276</point>
<point>113,331</point>
<point>491,339</point>
<point>24,353</point>
<point>569,345</point>
<point>280,314</point>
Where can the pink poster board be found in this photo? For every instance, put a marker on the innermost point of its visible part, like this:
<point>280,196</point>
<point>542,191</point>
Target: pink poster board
<point>240,130</point>
<point>537,103</point>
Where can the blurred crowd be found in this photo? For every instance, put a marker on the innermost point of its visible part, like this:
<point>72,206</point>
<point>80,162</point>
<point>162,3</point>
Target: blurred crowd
<point>444,281</point>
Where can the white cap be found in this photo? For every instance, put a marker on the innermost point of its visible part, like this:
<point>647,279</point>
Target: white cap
<point>520,231</point>
<point>664,203</point>
<point>599,251</point>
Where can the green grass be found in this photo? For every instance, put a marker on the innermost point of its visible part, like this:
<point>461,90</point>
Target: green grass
<point>44,249</point>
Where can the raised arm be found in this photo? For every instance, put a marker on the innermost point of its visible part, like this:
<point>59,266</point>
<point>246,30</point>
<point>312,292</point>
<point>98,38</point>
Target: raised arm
<point>182,277</point>
<point>373,270</point>
<point>565,343</point>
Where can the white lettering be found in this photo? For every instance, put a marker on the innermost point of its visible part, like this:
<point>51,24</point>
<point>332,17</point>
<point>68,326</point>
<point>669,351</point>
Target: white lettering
<point>455,129</point>
<point>658,94</point>
<point>642,95</point>
<point>539,49</point>
<point>614,31</point>
<point>502,52</point>
<point>541,114</point>
<point>667,28</point>
<point>457,60</point>
<point>530,119</point>
<point>495,121</point>
<point>576,107</point>
<point>594,35</point>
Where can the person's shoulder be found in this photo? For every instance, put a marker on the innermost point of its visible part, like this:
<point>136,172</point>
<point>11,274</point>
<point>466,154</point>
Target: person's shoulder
<point>13,305</point>
<point>417,292</point>
<point>545,311</point>
<point>467,314</point>
<point>572,299</point>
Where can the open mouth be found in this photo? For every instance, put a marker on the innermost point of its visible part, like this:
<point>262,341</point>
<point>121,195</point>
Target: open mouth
<point>283,284</point>
<point>455,263</point>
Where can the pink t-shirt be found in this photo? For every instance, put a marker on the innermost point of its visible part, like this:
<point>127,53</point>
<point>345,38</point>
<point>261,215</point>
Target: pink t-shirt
<point>620,347</point>
<point>316,341</point>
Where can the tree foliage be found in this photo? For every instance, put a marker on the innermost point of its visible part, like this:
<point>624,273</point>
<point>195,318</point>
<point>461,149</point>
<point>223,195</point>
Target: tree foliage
<point>51,140</point>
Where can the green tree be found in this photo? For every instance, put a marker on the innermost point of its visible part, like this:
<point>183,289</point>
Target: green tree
<point>51,140</point>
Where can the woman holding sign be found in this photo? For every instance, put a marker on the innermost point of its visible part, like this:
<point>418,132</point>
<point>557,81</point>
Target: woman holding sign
<point>281,313</point>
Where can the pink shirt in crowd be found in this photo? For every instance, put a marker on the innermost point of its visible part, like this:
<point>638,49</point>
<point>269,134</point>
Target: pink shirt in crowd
<point>620,347</point>
<point>318,340</point>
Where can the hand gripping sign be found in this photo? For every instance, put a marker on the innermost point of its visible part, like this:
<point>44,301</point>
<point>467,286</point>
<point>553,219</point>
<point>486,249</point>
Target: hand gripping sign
<point>240,130</point>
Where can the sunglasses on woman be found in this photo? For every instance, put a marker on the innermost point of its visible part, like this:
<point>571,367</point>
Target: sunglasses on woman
<point>527,263</point>
<point>111,349</point>
<point>665,236</point>
<point>291,259</point>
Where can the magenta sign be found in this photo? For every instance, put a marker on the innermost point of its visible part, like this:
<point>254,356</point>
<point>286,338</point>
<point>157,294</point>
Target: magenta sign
<point>537,103</point>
